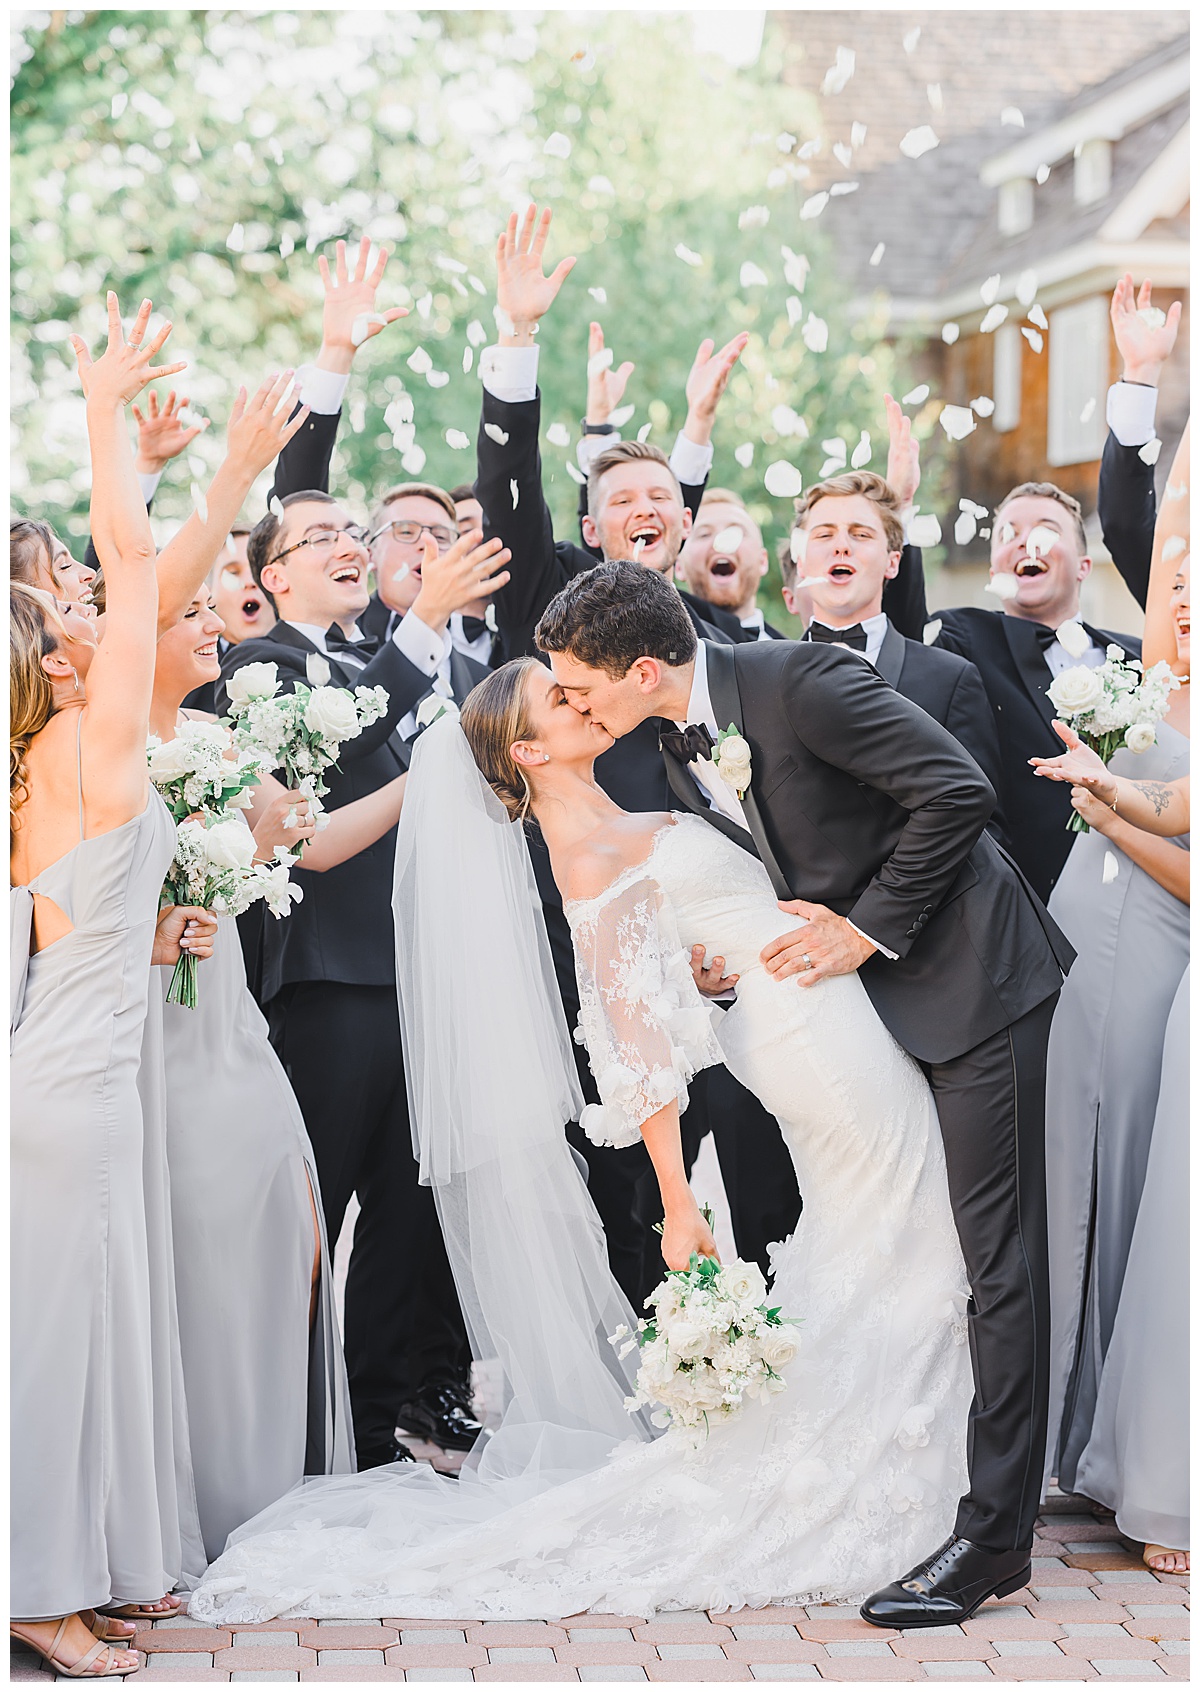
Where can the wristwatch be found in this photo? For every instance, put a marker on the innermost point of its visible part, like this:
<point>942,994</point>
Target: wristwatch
<point>597,428</point>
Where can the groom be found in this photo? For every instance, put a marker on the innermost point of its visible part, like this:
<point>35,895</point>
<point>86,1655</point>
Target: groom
<point>869,819</point>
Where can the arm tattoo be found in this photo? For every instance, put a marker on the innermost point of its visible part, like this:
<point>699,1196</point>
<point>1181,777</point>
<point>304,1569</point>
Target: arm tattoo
<point>1157,792</point>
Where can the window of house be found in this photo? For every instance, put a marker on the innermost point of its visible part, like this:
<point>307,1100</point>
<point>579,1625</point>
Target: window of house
<point>1078,382</point>
<point>1093,171</point>
<point>1016,206</point>
<point>1006,378</point>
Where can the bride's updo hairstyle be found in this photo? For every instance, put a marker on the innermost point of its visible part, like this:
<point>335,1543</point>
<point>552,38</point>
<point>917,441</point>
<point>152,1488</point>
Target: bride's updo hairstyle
<point>494,715</point>
<point>34,632</point>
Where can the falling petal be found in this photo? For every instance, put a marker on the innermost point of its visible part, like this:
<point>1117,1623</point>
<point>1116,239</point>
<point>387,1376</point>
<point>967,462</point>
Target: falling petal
<point>479,289</point>
<point>950,333</point>
<point>600,185</point>
<point>515,491</point>
<point>990,289</point>
<point>414,460</point>
<point>1038,316</point>
<point>1003,585</point>
<point>1149,453</point>
<point>918,141</point>
<point>810,149</point>
<point>835,447</point>
<point>785,141</point>
<point>1034,339</point>
<point>468,360</point>
<point>785,421</point>
<point>476,333</point>
<point>983,406</point>
<point>933,93</point>
<point>964,527</point>
<point>916,396</point>
<point>957,420</point>
<point>1174,547</point>
<point>843,154</point>
<point>199,502</point>
<point>931,630</point>
<point>1111,870</point>
<point>599,295</point>
<point>457,439</point>
<point>843,188</point>
<point>419,361</point>
<point>621,415</point>
<point>1089,410</point>
<point>750,276</point>
<point>1013,116</point>
<point>795,310</point>
<point>558,146</point>
<point>1027,288</point>
<point>816,334</point>
<point>744,454</point>
<point>1040,539</point>
<point>360,328</point>
<point>275,506</point>
<point>1042,174</point>
<point>911,39</point>
<point>729,539</point>
<point>687,255</point>
<point>795,268</point>
<point>782,480</point>
<point>236,238</point>
<point>494,432</point>
<point>878,253</point>
<point>286,245</point>
<point>1152,317</point>
<point>558,435</point>
<point>643,433</point>
<point>754,217</point>
<point>862,452</point>
<point>575,474</point>
<point>437,378</point>
<point>858,134</point>
<point>1175,490</point>
<point>814,205</point>
<point>638,546</point>
<point>1073,637</point>
<point>993,318</point>
<point>970,505</point>
<point>840,72</point>
<point>1005,533</point>
<point>798,546</point>
<point>924,530</point>
<point>425,304</point>
<point>600,361</point>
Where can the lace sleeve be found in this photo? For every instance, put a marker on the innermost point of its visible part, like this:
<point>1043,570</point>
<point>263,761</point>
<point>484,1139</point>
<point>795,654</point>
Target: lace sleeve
<point>645,1025</point>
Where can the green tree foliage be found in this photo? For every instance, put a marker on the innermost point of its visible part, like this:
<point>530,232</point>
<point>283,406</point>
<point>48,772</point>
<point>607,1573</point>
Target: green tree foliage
<point>204,157</point>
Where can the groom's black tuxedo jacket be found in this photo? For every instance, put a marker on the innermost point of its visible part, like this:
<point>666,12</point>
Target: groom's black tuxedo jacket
<point>342,928</point>
<point>859,801</point>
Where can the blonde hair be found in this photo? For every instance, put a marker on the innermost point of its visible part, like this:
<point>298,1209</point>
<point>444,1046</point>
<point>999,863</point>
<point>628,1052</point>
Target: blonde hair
<point>870,486</point>
<point>31,637</point>
<point>721,496</point>
<point>494,715</point>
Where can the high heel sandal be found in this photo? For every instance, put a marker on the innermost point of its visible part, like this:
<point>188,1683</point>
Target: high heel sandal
<point>101,1655</point>
<point>142,1612</point>
<point>102,1627</point>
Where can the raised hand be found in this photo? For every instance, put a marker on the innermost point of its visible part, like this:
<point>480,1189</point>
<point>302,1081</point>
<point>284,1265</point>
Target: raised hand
<point>904,454</point>
<point>350,317</point>
<point>162,434</point>
<point>124,367</point>
<point>259,428</point>
<point>605,386</point>
<point>707,381</point>
<point>451,580</point>
<point>1079,765</point>
<point>524,292</point>
<point>1144,349</point>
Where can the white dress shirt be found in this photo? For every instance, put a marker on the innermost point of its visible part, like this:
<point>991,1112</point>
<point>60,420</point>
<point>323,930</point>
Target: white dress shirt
<point>480,649</point>
<point>875,628</point>
<point>757,622</point>
<point>1130,412</point>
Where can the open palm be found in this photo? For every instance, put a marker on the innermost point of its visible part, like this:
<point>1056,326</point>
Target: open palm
<point>523,291</point>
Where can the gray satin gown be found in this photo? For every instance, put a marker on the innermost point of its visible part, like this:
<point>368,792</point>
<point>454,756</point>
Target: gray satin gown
<point>1102,1089</point>
<point>1136,1461</point>
<point>94,1485</point>
<point>267,1402</point>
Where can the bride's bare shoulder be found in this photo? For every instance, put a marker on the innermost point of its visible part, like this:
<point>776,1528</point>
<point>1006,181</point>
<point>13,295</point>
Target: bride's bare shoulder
<point>619,845</point>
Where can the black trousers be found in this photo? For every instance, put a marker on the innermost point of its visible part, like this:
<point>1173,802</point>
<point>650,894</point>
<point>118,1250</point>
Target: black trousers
<point>991,1104</point>
<point>404,1330</point>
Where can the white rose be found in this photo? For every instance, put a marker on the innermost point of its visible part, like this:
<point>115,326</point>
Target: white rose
<point>1074,637</point>
<point>433,706</point>
<point>778,1347</point>
<point>252,681</point>
<point>331,713</point>
<point>169,761</point>
<point>229,844</point>
<point>743,1282</point>
<point>687,1339</point>
<point>317,669</point>
<point>1075,690</point>
<point>1140,737</point>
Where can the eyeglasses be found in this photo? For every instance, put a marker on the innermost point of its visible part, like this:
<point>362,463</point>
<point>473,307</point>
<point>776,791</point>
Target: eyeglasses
<point>324,540</point>
<point>410,533</point>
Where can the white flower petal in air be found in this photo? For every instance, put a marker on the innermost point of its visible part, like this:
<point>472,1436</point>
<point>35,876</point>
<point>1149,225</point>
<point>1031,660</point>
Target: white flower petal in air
<point>275,506</point>
<point>917,395</point>
<point>729,539</point>
<point>918,141</point>
<point>1149,453</point>
<point>1152,317</point>
<point>643,433</point>
<point>957,420</point>
<point>785,141</point>
<point>983,406</point>
<point>990,289</point>
<point>599,295</point>
<point>814,206</point>
<point>782,480</point>
<point>1013,116</point>
<point>468,360</point>
<point>750,276</point>
<point>437,378</point>
<point>1005,533</point>
<point>878,253</point>
<point>911,39</point>
<point>795,268</point>
<point>843,154</point>
<point>515,492</point>
<point>479,289</point>
<point>621,415</point>
<point>638,547</point>
<point>1173,547</point>
<point>1003,585</point>
<point>1042,174</point>
<point>558,435</point>
<point>1089,410</point>
<point>1034,339</point>
<point>1027,288</point>
<point>414,460</point>
<point>235,241</point>
<point>575,473</point>
<point>600,185</point>
<point>557,145</point>
<point>360,328</point>
<point>993,318</point>
<point>425,304</point>
<point>795,310</point>
<point>744,454</point>
<point>950,333</point>
<point>810,149</point>
<point>1073,637</point>
<point>600,361</point>
<point>494,432</point>
<point>778,177</point>
<point>970,505</point>
<point>419,361</point>
<point>933,93</point>
<point>964,527</point>
<point>754,217</point>
<point>924,530</point>
<point>199,501</point>
<point>1040,539</point>
<point>476,333</point>
<point>1036,315</point>
<point>798,546</point>
<point>840,72</point>
<point>835,447</point>
<point>862,452</point>
<point>815,333</point>
<point>843,188</point>
<point>1175,490</point>
<point>687,255</point>
<point>858,134</point>
<point>1111,870</point>
<point>457,439</point>
<point>931,631</point>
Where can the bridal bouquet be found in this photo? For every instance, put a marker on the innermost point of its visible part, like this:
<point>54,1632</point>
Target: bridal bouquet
<point>206,791</point>
<point>711,1342</point>
<point>1111,706</point>
<point>300,732</point>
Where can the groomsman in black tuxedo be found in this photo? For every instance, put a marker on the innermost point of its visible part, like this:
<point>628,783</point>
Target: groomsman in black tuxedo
<point>723,561</point>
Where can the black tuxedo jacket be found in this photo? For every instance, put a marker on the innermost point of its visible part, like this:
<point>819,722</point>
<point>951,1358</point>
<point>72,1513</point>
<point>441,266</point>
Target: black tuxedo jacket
<point>342,928</point>
<point>303,465</point>
<point>1127,510</point>
<point>859,801</point>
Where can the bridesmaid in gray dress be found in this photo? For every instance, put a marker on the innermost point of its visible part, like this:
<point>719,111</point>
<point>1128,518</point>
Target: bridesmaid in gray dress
<point>265,1377</point>
<point>90,846</point>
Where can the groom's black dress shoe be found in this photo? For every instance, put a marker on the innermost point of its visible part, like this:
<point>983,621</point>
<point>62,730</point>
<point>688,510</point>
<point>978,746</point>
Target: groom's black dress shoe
<point>443,1415</point>
<point>948,1587</point>
<point>377,1457</point>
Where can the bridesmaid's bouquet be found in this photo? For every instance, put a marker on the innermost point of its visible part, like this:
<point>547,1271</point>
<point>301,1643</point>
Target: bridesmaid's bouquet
<point>206,792</point>
<point>1112,706</point>
<point>302,732</point>
<point>711,1342</point>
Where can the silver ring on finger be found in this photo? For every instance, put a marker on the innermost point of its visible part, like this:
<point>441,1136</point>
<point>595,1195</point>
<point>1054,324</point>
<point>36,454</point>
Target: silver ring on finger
<point>806,960</point>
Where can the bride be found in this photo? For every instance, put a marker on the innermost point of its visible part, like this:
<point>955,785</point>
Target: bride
<point>819,1494</point>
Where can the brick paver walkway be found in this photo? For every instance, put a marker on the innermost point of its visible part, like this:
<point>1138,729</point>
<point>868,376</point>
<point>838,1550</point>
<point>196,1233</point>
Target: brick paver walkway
<point>1091,1612</point>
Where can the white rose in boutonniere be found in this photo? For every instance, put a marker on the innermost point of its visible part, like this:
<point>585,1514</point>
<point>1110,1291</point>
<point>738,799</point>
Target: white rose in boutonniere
<point>433,706</point>
<point>731,759</point>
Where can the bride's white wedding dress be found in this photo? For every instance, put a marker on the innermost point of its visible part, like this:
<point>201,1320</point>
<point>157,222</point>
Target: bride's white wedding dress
<point>830,1489</point>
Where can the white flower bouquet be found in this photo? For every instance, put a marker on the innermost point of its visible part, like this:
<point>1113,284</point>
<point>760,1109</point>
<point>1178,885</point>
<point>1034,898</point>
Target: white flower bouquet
<point>302,732</point>
<point>710,1343</point>
<point>1114,705</point>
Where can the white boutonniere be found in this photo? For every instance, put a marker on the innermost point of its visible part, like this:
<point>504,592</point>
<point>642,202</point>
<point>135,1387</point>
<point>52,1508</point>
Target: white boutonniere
<point>489,617</point>
<point>731,759</point>
<point>317,669</point>
<point>433,706</point>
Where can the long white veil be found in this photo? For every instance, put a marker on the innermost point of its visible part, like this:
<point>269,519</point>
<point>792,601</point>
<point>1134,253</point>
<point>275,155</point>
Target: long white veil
<point>491,1084</point>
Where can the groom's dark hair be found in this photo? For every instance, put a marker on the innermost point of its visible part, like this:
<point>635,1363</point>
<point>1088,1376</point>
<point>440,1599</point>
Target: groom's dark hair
<point>613,615</point>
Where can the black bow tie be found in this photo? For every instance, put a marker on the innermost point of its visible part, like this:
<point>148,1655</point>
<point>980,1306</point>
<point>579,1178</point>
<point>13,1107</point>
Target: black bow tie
<point>855,636</point>
<point>474,628</point>
<point>336,640</point>
<point>688,743</point>
<point>1046,637</point>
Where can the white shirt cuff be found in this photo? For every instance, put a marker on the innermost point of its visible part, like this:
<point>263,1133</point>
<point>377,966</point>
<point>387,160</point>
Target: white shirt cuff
<point>148,481</point>
<point>690,461</point>
<point>321,390</point>
<point>1130,413</point>
<point>509,373</point>
<point>875,943</point>
<point>420,645</point>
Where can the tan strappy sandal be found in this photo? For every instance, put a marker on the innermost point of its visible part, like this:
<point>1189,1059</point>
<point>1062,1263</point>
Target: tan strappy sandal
<point>100,1663</point>
<point>104,1627</point>
<point>143,1612</point>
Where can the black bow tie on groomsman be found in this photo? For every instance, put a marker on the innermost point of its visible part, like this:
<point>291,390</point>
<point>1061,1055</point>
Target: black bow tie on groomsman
<point>338,641</point>
<point>855,635</point>
<point>474,628</point>
<point>688,743</point>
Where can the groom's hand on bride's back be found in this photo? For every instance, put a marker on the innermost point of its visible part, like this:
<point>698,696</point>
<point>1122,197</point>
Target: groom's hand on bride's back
<point>826,945</point>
